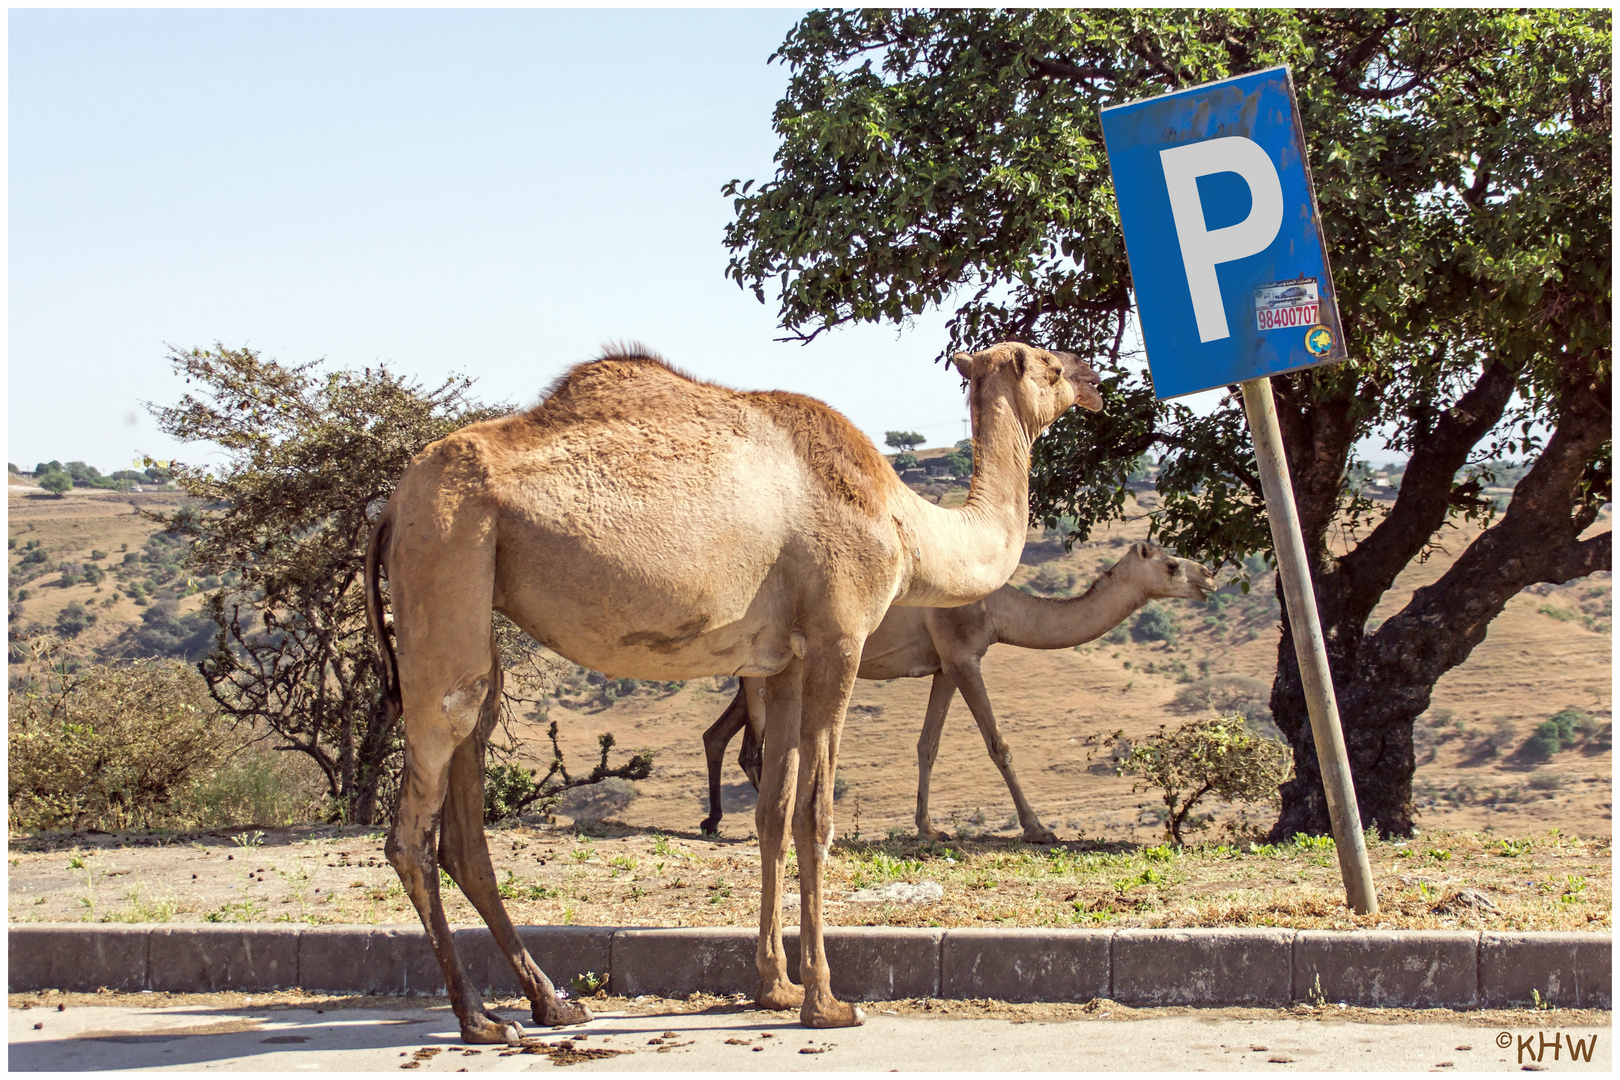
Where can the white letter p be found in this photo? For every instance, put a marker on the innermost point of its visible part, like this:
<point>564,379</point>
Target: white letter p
<point>1201,249</point>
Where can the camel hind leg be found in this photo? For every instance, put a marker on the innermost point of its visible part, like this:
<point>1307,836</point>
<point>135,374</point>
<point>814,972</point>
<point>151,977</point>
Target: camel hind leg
<point>970,682</point>
<point>412,850</point>
<point>464,854</point>
<point>720,733</point>
<point>448,688</point>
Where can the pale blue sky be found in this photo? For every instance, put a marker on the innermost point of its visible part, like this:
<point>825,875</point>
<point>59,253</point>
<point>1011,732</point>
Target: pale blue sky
<point>495,192</point>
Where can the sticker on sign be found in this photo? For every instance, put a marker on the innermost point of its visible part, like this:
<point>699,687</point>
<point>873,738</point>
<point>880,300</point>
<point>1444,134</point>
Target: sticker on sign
<point>1286,304</point>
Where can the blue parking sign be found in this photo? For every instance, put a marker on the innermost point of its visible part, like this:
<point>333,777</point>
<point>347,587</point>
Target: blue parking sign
<point>1222,233</point>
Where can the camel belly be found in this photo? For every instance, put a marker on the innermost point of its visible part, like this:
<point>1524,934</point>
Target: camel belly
<point>899,648</point>
<point>651,581</point>
<point>645,633</point>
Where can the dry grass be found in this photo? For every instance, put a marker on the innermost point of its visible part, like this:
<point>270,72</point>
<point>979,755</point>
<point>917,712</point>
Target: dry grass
<point>619,875</point>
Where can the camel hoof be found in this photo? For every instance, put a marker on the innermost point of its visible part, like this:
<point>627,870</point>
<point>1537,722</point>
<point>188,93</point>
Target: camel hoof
<point>709,827</point>
<point>1040,836</point>
<point>488,1029</point>
<point>832,1014</point>
<point>564,1014</point>
<point>933,834</point>
<point>780,996</point>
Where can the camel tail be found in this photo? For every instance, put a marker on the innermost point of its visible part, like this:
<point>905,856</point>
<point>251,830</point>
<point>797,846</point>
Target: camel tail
<point>380,532</point>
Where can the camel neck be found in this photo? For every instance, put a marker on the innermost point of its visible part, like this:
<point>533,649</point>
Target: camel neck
<point>1031,622</point>
<point>963,554</point>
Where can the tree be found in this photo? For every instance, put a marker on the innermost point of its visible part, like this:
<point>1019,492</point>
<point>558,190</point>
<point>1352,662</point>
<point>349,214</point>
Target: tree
<point>903,440</point>
<point>57,483</point>
<point>74,619</point>
<point>309,457</point>
<point>1462,164</point>
<point>902,462</point>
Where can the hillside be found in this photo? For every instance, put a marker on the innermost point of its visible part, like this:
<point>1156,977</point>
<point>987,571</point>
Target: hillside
<point>1549,650</point>
<point>119,569</point>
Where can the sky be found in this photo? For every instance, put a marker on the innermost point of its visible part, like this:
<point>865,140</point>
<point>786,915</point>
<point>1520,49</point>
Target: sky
<point>498,193</point>
<point>495,193</point>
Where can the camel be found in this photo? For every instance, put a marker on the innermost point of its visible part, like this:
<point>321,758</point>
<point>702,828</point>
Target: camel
<point>604,523</point>
<point>950,643</point>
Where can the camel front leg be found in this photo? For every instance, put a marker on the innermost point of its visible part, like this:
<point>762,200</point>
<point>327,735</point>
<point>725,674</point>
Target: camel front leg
<point>777,780</point>
<point>827,684</point>
<point>412,850</point>
<point>970,682</point>
<point>733,720</point>
<point>464,852</point>
<point>939,703</point>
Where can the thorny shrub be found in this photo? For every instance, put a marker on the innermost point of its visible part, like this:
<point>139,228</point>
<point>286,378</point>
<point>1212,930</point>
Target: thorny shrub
<point>106,744</point>
<point>1218,756</point>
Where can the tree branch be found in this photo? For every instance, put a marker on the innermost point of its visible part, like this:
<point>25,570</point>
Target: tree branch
<point>1062,69</point>
<point>1424,501</point>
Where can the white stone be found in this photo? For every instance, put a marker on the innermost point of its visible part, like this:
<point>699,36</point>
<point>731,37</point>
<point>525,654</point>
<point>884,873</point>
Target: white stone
<point>899,892</point>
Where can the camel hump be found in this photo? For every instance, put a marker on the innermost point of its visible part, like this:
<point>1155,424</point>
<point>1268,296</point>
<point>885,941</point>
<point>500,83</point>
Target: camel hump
<point>627,382</point>
<point>833,449</point>
<point>630,382</point>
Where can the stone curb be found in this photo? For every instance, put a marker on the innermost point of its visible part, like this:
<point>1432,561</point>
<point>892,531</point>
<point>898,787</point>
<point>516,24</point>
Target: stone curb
<point>1408,968</point>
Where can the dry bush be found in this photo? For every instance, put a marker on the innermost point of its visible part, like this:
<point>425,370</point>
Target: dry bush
<point>256,785</point>
<point>141,744</point>
<point>107,745</point>
<point>1218,756</point>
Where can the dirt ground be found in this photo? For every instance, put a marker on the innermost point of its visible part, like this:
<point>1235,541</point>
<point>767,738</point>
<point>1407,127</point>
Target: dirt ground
<point>626,876</point>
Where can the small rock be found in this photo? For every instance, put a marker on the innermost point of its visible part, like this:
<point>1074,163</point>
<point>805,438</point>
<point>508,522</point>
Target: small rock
<point>899,892</point>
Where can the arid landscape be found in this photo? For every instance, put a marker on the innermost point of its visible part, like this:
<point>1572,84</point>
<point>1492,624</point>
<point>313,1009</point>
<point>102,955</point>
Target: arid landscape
<point>1479,788</point>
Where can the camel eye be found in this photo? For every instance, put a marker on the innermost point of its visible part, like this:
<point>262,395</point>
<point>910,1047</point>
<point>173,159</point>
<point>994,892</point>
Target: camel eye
<point>1175,568</point>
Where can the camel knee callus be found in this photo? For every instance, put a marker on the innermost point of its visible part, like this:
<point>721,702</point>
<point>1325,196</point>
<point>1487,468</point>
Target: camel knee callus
<point>606,522</point>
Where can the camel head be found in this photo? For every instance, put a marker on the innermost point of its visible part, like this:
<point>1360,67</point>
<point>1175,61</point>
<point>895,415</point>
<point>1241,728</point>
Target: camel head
<point>1162,575</point>
<point>1041,385</point>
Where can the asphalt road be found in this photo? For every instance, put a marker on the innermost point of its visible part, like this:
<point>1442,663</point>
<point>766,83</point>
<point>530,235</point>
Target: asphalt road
<point>422,1036</point>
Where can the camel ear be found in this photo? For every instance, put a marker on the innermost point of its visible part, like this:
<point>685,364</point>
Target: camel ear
<point>1142,549</point>
<point>1020,361</point>
<point>964,364</point>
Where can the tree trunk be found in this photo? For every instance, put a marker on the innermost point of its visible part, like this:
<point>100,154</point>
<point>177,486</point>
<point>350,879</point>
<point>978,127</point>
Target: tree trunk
<point>1384,679</point>
<point>371,767</point>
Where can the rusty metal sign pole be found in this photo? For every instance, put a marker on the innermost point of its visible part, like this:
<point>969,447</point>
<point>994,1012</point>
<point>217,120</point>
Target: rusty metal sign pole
<point>1309,647</point>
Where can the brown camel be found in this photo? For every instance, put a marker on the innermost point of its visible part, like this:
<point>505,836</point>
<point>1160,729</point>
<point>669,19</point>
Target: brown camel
<point>949,643</point>
<point>604,523</point>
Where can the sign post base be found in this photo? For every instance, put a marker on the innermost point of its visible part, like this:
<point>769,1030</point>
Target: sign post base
<point>1309,647</point>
